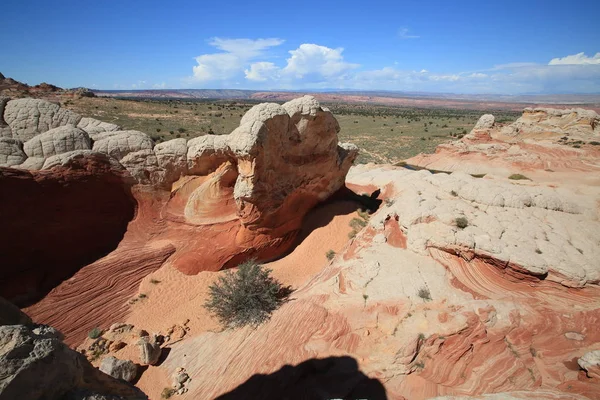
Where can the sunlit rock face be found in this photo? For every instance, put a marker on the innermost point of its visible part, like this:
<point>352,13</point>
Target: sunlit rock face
<point>505,303</point>
<point>541,141</point>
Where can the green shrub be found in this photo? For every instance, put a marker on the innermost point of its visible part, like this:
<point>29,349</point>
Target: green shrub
<point>424,293</point>
<point>357,224</point>
<point>95,333</point>
<point>167,393</point>
<point>247,296</point>
<point>330,254</point>
<point>461,222</point>
<point>518,177</point>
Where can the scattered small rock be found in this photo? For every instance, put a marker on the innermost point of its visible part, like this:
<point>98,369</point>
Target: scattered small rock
<point>120,369</point>
<point>574,336</point>
<point>150,351</point>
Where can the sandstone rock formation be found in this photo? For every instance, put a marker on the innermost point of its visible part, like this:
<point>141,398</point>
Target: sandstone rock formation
<point>35,364</point>
<point>432,309</point>
<point>456,286</point>
<point>57,141</point>
<point>93,126</point>
<point>30,117</point>
<point>590,362</point>
<point>119,369</point>
<point>150,351</point>
<point>11,152</point>
<point>206,204</point>
<point>535,143</point>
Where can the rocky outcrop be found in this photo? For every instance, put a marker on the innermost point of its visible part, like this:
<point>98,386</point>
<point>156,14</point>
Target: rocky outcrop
<point>430,307</point>
<point>590,362</point>
<point>36,364</point>
<point>94,127</point>
<point>5,130</point>
<point>118,144</point>
<point>30,117</point>
<point>57,141</point>
<point>278,164</point>
<point>11,152</point>
<point>553,144</point>
<point>570,122</point>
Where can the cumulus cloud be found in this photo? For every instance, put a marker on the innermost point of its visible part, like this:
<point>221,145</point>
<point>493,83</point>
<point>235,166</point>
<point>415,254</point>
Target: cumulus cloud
<point>262,71</point>
<point>314,59</point>
<point>237,53</point>
<point>576,59</point>
<point>252,64</point>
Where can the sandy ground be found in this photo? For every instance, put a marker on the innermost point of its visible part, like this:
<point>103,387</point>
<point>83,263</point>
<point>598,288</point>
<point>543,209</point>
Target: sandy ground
<point>173,298</point>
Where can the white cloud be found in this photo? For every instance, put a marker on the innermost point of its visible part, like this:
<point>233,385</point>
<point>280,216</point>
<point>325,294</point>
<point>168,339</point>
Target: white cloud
<point>262,71</point>
<point>403,34</point>
<point>314,59</point>
<point>244,48</point>
<point>247,63</point>
<point>576,59</point>
<point>237,53</point>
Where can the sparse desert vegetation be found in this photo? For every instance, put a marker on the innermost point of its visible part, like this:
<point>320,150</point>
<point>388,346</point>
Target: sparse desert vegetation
<point>385,134</point>
<point>461,222</point>
<point>247,296</point>
<point>518,177</point>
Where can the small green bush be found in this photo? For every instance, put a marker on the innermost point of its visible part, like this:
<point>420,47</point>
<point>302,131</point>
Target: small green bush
<point>357,224</point>
<point>167,393</point>
<point>95,333</point>
<point>461,222</point>
<point>518,177</point>
<point>424,293</point>
<point>330,254</point>
<point>247,296</point>
<point>453,193</point>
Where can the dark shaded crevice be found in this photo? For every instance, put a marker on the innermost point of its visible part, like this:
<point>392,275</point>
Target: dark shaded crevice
<point>55,222</point>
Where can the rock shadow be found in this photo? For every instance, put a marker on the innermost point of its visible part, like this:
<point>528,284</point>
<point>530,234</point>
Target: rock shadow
<point>56,223</point>
<point>346,202</point>
<point>318,379</point>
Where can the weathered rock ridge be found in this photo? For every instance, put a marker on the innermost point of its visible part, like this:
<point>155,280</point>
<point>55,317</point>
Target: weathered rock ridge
<point>541,141</point>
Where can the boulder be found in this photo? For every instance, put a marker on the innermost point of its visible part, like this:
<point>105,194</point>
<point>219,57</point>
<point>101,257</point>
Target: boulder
<point>118,144</point>
<point>5,130</point>
<point>590,362</point>
<point>94,126</point>
<point>36,365</point>
<point>486,121</point>
<point>119,369</point>
<point>11,152</point>
<point>171,157</point>
<point>39,366</point>
<point>57,141</point>
<point>150,351</point>
<point>30,117</point>
<point>11,314</point>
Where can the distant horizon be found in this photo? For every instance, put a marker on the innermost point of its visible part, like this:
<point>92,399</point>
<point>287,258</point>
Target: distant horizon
<point>471,47</point>
<point>335,90</point>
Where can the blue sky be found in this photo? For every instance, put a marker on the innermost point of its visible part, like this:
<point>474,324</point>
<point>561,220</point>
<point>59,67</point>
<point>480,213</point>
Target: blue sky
<point>510,47</point>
